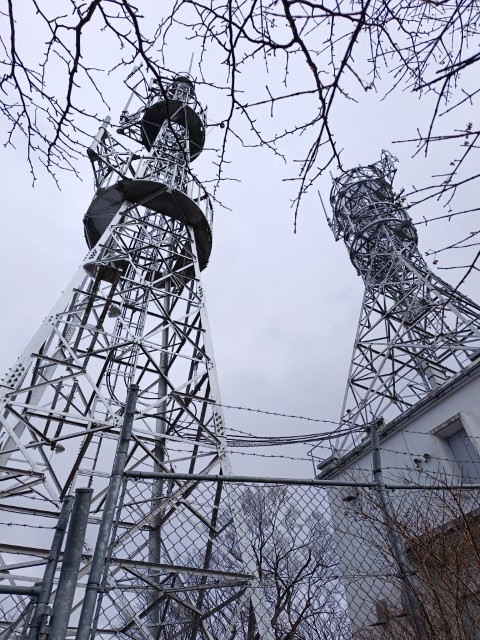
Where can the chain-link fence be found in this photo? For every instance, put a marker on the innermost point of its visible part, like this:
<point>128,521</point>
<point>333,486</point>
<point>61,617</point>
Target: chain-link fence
<point>323,565</point>
<point>15,614</point>
<point>200,582</point>
<point>438,529</point>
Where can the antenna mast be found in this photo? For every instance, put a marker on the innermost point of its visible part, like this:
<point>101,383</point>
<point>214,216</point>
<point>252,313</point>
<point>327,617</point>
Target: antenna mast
<point>415,331</point>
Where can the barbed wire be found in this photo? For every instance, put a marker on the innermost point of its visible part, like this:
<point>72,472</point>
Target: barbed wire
<point>278,414</point>
<point>431,457</point>
<point>28,526</point>
<point>243,453</point>
<point>434,475</point>
<point>427,433</point>
<point>277,456</point>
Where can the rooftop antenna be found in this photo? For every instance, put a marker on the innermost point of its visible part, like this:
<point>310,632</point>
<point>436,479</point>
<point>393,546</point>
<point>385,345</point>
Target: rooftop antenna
<point>132,91</point>
<point>329,222</point>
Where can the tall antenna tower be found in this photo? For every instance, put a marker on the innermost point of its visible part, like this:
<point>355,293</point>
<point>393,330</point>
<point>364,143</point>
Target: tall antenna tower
<point>415,331</point>
<point>179,561</point>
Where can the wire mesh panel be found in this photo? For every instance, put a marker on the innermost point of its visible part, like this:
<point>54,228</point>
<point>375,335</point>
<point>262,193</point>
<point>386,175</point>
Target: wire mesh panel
<point>323,556</point>
<point>176,562</point>
<point>15,612</point>
<point>295,560</point>
<point>439,532</point>
<point>19,568</point>
<point>324,562</point>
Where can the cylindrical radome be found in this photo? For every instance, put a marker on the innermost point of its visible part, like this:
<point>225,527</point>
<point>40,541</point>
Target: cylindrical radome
<point>370,219</point>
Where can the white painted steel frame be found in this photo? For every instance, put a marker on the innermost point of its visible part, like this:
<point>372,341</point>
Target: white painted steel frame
<point>134,312</point>
<point>415,331</point>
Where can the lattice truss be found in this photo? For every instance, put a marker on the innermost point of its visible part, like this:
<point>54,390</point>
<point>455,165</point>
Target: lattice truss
<point>415,331</point>
<point>133,313</point>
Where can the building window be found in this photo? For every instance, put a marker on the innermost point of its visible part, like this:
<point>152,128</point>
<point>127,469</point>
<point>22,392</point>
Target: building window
<point>465,455</point>
<point>460,436</point>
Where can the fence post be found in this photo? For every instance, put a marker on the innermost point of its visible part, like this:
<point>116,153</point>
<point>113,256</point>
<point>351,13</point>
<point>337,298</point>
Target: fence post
<point>72,557</point>
<point>41,607</point>
<point>396,543</point>
<point>104,531</point>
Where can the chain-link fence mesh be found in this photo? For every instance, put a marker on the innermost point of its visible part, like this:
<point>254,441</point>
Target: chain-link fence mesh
<point>323,565</point>
<point>25,542</point>
<point>438,532</point>
<point>175,558</point>
<point>323,562</point>
<point>200,582</point>
<point>15,615</point>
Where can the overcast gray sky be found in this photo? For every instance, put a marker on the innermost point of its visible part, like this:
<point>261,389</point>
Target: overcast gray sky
<point>283,308</point>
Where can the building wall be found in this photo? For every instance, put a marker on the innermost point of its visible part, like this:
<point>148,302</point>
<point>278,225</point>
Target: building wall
<point>437,443</point>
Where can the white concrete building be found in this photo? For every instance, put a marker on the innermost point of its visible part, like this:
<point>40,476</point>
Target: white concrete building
<point>435,442</point>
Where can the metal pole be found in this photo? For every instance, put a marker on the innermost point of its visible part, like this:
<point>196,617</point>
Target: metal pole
<point>396,543</point>
<point>108,557</point>
<point>98,560</point>
<point>72,557</point>
<point>155,535</point>
<point>41,607</point>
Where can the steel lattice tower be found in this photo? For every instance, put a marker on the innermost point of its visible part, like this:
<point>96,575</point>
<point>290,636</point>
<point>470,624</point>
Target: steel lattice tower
<point>415,331</point>
<point>181,565</point>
